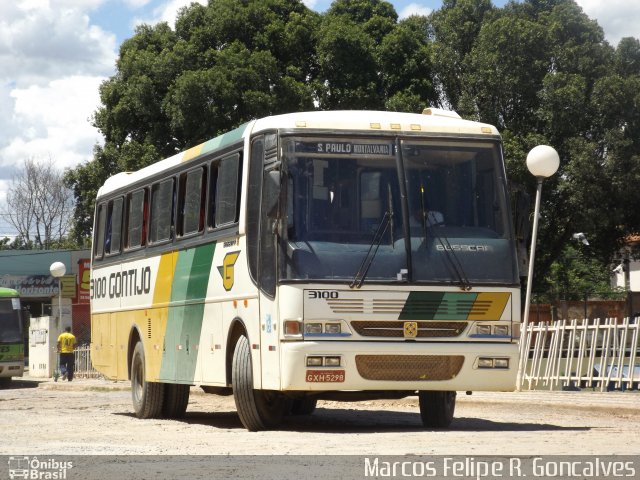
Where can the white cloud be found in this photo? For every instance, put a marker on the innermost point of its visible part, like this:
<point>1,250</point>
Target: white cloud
<point>45,39</point>
<point>414,9</point>
<point>52,60</point>
<point>136,3</point>
<point>54,122</point>
<point>618,18</point>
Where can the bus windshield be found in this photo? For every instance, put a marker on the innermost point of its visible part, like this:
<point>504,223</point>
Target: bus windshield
<point>10,324</point>
<point>344,196</point>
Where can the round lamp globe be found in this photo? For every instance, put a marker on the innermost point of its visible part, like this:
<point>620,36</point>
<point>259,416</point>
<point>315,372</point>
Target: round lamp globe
<point>543,161</point>
<point>57,269</point>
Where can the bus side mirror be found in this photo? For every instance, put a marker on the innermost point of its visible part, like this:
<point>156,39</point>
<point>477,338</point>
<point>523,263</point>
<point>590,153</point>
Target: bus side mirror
<point>271,193</point>
<point>521,208</point>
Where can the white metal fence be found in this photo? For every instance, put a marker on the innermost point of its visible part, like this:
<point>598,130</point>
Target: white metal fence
<point>597,354</point>
<point>83,366</point>
<point>586,353</point>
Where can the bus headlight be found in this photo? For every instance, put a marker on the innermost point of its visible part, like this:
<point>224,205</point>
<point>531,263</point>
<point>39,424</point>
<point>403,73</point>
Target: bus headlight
<point>485,363</point>
<point>314,361</point>
<point>332,328</point>
<point>313,328</point>
<point>501,363</point>
<point>331,361</point>
<point>483,329</point>
<point>502,330</point>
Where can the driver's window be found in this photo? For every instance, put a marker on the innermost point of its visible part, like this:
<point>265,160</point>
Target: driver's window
<point>370,201</point>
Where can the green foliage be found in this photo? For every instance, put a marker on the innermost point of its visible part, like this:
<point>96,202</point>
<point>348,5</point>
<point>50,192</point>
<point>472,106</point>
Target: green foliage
<point>540,70</point>
<point>576,275</point>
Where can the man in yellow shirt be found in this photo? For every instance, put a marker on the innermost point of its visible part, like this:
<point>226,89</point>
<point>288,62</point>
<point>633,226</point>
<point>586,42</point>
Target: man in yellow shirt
<point>66,344</point>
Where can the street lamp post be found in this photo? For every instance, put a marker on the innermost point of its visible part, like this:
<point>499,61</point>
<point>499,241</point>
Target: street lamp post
<point>542,161</point>
<point>58,270</point>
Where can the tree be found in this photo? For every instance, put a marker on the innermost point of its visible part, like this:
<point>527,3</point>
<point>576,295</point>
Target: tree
<point>229,62</point>
<point>39,206</point>
<point>454,30</point>
<point>540,70</point>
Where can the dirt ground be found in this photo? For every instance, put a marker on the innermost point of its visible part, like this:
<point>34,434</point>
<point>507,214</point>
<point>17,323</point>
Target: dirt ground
<point>95,417</point>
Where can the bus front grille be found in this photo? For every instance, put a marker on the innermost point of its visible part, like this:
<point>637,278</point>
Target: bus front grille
<point>395,329</point>
<point>405,368</point>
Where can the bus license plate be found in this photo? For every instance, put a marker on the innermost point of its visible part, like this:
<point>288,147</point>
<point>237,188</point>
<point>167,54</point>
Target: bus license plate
<point>325,376</point>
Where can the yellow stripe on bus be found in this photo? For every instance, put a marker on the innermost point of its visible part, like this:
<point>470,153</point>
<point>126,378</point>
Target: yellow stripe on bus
<point>164,281</point>
<point>489,306</point>
<point>193,152</point>
<point>158,314</point>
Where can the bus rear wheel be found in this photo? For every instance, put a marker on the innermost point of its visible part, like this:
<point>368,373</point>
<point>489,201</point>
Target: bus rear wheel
<point>258,409</point>
<point>147,397</point>
<point>437,408</point>
<point>5,382</point>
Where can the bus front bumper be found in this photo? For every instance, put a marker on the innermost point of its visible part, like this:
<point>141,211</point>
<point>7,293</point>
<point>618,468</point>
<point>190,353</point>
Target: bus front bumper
<point>11,369</point>
<point>312,366</point>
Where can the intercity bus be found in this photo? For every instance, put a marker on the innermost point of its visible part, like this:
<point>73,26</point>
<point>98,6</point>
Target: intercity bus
<point>11,336</point>
<point>320,255</point>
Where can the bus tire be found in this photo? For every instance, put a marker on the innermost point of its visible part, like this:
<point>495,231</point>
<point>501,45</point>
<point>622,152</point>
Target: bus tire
<point>5,382</point>
<point>257,409</point>
<point>176,399</point>
<point>303,406</point>
<point>147,397</point>
<point>437,408</point>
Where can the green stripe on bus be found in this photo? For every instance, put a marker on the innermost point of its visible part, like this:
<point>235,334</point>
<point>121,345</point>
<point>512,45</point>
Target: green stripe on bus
<point>8,292</point>
<point>421,306</point>
<point>184,324</point>
<point>224,140</point>
<point>438,306</point>
<point>456,306</point>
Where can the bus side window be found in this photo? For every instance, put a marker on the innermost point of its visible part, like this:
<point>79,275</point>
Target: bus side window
<point>227,191</point>
<point>161,218</point>
<point>213,188</point>
<point>114,227</point>
<point>98,240</point>
<point>191,202</point>
<point>224,194</point>
<point>136,219</point>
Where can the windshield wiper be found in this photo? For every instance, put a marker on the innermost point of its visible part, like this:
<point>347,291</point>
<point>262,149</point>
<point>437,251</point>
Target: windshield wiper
<point>360,275</point>
<point>450,255</point>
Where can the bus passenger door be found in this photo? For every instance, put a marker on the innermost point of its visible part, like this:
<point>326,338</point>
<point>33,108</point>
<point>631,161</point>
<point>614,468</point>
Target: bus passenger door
<point>269,348</point>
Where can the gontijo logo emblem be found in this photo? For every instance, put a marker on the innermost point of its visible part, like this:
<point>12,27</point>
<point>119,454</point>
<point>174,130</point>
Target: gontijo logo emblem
<point>227,269</point>
<point>410,329</point>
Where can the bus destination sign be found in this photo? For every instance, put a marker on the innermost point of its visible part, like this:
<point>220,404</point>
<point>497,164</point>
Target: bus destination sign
<point>345,148</point>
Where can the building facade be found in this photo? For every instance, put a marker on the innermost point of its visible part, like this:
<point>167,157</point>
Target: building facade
<point>28,272</point>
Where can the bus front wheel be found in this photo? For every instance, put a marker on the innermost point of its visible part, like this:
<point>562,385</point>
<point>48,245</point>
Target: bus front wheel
<point>176,399</point>
<point>258,409</point>
<point>303,406</point>
<point>147,396</point>
<point>437,408</point>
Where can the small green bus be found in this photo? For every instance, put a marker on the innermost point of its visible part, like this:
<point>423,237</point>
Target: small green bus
<point>11,336</point>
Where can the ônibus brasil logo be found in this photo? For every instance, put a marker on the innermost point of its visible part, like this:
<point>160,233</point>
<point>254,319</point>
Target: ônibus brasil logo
<point>38,469</point>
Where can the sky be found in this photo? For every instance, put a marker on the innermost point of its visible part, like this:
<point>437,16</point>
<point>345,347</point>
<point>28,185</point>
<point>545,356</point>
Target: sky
<point>55,53</point>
